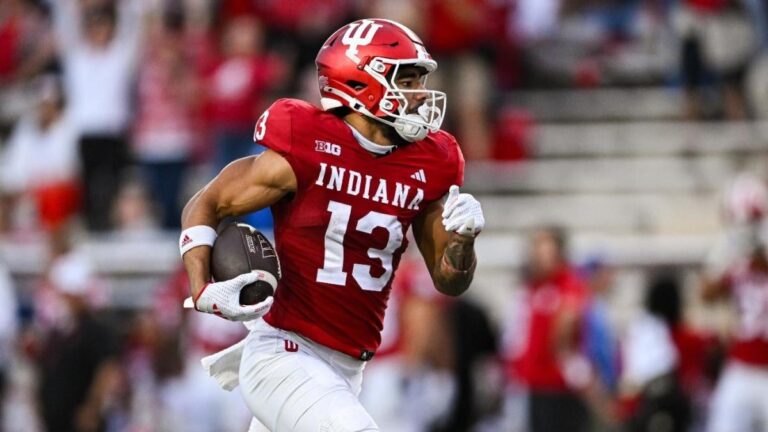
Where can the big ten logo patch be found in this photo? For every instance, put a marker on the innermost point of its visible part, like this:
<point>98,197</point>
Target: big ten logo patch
<point>327,147</point>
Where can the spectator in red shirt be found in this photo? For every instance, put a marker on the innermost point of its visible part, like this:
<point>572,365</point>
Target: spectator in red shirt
<point>26,48</point>
<point>296,26</point>
<point>737,269</point>
<point>26,45</point>
<point>462,32</point>
<point>545,353</point>
<point>165,127</point>
<point>238,85</point>
<point>9,39</point>
<point>241,80</point>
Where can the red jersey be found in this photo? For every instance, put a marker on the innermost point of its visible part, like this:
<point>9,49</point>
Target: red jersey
<point>708,5</point>
<point>341,235</point>
<point>536,361</point>
<point>750,288</point>
<point>10,34</point>
<point>236,86</point>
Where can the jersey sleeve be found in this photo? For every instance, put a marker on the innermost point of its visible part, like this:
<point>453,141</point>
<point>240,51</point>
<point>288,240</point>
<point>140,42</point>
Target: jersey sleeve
<point>287,127</point>
<point>459,166</point>
<point>458,178</point>
<point>273,129</point>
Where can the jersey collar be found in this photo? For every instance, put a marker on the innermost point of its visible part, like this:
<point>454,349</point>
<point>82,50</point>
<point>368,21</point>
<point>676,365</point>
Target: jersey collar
<point>370,145</point>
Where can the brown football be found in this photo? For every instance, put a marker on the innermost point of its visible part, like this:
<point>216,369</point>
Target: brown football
<point>241,248</point>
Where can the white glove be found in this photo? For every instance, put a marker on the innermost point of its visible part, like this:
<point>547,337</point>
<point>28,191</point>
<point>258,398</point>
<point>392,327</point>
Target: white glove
<point>223,298</point>
<point>462,213</point>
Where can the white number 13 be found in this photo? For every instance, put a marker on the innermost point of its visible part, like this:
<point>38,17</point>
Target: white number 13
<point>334,248</point>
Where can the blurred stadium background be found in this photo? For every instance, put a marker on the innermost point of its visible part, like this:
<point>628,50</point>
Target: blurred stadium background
<point>633,128</point>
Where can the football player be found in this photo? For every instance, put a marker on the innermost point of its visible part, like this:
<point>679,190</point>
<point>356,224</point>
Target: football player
<point>737,268</point>
<point>344,183</point>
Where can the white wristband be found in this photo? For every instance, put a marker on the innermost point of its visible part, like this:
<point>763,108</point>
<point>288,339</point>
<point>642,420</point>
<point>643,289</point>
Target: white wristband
<point>198,235</point>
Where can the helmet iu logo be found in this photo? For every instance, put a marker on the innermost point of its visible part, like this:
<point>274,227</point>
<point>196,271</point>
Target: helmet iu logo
<point>359,33</point>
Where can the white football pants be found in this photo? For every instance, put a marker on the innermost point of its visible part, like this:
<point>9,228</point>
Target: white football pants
<point>740,400</point>
<point>293,384</point>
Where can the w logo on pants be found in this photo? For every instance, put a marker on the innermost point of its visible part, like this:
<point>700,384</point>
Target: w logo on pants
<point>290,346</point>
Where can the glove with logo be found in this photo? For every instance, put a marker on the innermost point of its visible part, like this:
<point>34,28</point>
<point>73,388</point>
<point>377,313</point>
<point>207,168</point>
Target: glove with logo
<point>223,298</point>
<point>462,213</point>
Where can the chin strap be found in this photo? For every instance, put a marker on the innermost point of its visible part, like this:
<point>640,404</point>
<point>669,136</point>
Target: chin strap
<point>412,127</point>
<point>408,130</point>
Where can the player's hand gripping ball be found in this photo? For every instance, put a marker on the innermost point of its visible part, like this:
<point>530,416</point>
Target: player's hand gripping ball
<point>245,270</point>
<point>239,249</point>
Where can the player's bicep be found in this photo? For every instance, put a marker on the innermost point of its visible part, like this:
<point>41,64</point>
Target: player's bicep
<point>430,235</point>
<point>251,183</point>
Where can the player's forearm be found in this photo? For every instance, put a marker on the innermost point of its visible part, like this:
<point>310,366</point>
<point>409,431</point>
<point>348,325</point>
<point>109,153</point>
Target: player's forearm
<point>200,210</point>
<point>197,260</point>
<point>197,263</point>
<point>453,273</point>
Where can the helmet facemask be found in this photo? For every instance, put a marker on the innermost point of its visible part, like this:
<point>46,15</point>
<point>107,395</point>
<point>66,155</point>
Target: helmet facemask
<point>411,125</point>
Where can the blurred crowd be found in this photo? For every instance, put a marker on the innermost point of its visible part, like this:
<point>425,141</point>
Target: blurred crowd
<point>560,359</point>
<point>563,359</point>
<point>112,111</point>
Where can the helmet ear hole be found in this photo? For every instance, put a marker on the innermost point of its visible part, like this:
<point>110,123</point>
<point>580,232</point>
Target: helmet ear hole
<point>357,85</point>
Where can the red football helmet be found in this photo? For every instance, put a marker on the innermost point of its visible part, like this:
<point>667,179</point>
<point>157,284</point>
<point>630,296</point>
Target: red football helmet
<point>357,67</point>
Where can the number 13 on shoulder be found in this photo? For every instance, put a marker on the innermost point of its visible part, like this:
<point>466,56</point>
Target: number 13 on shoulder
<point>261,127</point>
